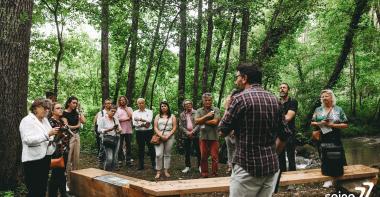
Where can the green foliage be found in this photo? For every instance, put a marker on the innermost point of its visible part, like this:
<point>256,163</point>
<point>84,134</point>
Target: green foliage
<point>305,57</point>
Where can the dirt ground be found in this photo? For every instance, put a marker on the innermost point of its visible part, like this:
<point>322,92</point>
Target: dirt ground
<point>177,164</point>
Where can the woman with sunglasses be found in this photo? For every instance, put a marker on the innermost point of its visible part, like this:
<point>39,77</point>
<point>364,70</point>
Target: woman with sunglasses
<point>62,139</point>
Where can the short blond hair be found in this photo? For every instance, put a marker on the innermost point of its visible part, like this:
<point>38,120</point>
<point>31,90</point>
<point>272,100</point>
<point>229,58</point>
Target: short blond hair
<point>331,93</point>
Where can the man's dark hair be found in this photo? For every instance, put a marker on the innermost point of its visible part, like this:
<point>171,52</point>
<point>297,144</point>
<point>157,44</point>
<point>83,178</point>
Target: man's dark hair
<point>49,94</point>
<point>287,85</point>
<point>68,101</point>
<point>252,71</point>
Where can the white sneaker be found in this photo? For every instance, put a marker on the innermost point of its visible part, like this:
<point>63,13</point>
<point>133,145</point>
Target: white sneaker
<point>186,170</point>
<point>327,184</point>
<point>200,169</point>
<point>67,188</point>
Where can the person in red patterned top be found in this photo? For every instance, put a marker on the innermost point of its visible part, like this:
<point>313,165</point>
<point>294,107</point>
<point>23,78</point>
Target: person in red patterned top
<point>256,118</point>
<point>58,178</point>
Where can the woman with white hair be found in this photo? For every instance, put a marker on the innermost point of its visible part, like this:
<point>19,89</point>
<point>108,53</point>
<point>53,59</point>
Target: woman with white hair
<point>37,148</point>
<point>330,119</point>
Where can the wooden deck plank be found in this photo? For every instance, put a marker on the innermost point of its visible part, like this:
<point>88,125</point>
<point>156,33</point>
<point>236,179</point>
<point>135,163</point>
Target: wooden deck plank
<point>93,182</point>
<point>221,184</point>
<point>315,175</point>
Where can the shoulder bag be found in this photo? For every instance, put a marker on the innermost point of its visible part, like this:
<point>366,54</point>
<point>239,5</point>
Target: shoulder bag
<point>156,139</point>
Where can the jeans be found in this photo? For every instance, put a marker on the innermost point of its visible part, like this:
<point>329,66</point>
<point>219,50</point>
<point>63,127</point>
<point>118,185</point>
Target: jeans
<point>230,142</point>
<point>115,150</point>
<point>163,151</point>
<point>242,184</point>
<point>143,138</point>
<point>190,149</point>
<point>36,176</point>
<point>209,147</point>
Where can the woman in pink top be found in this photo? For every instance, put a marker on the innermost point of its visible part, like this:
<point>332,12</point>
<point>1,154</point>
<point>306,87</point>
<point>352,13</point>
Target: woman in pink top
<point>124,114</point>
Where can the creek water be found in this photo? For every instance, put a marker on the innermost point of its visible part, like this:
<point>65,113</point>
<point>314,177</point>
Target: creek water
<point>362,150</point>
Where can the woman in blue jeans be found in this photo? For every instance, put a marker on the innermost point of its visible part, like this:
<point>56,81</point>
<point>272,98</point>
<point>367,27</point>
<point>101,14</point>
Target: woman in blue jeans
<point>109,126</point>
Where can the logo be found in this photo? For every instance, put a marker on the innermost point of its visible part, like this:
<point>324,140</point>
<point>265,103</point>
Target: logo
<point>363,191</point>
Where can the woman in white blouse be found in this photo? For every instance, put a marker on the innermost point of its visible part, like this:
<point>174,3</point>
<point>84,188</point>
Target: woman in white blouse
<point>109,125</point>
<point>36,134</point>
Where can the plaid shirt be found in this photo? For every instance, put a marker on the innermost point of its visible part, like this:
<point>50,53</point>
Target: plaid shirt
<point>256,117</point>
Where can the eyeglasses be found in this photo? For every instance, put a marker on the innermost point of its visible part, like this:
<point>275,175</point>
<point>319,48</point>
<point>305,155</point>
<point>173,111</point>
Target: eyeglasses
<point>187,103</point>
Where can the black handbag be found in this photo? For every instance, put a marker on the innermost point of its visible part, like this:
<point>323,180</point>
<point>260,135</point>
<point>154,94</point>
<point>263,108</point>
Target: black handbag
<point>110,140</point>
<point>332,159</point>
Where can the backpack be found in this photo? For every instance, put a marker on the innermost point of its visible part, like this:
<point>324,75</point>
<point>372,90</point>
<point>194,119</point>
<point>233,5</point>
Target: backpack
<point>96,124</point>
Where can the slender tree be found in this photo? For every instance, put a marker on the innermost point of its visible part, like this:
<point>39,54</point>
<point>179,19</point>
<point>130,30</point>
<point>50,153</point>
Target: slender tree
<point>217,58</point>
<point>160,59</point>
<point>360,6</point>
<point>182,53</point>
<point>287,17</point>
<point>15,28</point>
<point>353,84</point>
<point>197,54</point>
<point>54,9</point>
<point>104,60</point>
<point>133,54</point>
<point>244,30</point>
<point>210,28</point>
<point>227,64</point>
<point>152,49</point>
<point>119,75</point>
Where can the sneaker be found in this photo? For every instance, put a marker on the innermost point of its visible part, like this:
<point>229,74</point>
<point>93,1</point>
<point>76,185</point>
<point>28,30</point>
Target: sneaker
<point>291,188</point>
<point>67,188</point>
<point>200,169</point>
<point>327,184</point>
<point>186,170</point>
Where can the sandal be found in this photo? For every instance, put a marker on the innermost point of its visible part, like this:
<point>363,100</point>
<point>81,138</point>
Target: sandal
<point>167,174</point>
<point>158,174</point>
<point>229,170</point>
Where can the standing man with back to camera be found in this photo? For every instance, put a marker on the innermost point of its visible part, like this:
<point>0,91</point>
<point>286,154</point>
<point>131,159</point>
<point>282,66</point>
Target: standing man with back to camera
<point>255,116</point>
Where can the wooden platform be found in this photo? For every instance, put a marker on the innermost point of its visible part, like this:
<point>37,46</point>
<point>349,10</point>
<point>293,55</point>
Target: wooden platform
<point>95,182</point>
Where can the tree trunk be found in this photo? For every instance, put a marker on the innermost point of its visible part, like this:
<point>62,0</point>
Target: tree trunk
<point>160,58</point>
<point>182,54</point>
<point>121,69</point>
<point>210,27</point>
<point>197,55</point>
<point>244,31</point>
<point>15,28</point>
<point>104,51</point>
<point>226,65</point>
<point>293,13</point>
<point>354,81</point>
<point>54,10</point>
<point>133,54</point>
<point>152,49</point>
<point>347,44</point>
<point>217,58</point>
<point>300,72</point>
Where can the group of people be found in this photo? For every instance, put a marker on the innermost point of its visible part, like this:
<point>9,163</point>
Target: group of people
<point>198,129</point>
<point>49,132</point>
<point>258,127</point>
